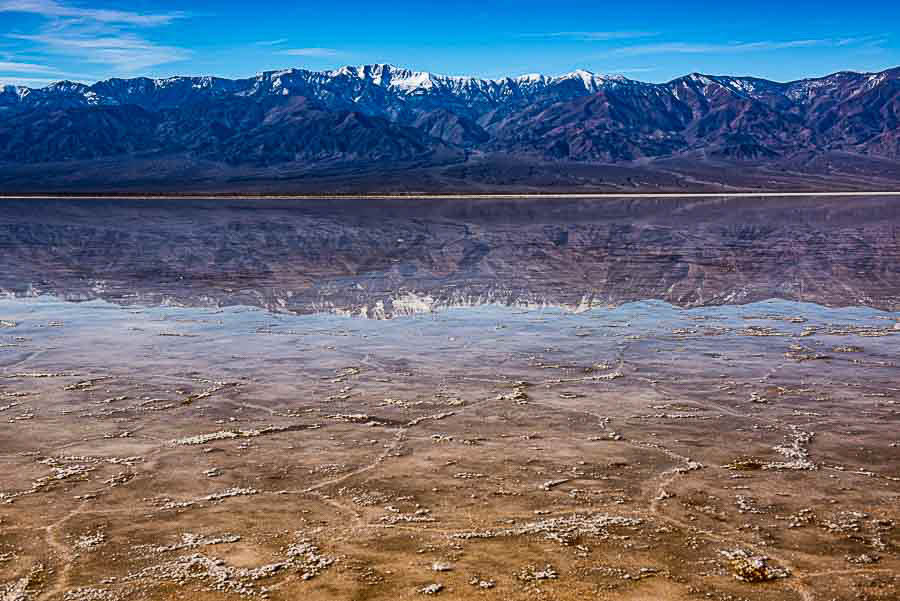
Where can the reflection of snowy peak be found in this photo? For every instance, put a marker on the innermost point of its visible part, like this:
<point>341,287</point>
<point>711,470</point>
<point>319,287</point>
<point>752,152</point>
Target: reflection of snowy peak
<point>412,303</point>
<point>394,257</point>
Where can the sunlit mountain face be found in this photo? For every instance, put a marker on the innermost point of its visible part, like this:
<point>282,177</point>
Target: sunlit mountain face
<point>387,258</point>
<point>380,128</point>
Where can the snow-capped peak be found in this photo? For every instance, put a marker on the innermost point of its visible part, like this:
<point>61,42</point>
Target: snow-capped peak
<point>387,89</point>
<point>592,82</point>
<point>585,76</point>
<point>67,86</point>
<point>19,91</point>
<point>407,80</point>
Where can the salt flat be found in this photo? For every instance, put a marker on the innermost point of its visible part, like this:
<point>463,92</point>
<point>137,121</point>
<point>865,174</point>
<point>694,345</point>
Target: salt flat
<point>467,401</point>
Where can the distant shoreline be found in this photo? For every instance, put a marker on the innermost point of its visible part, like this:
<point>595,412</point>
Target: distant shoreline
<point>488,196</point>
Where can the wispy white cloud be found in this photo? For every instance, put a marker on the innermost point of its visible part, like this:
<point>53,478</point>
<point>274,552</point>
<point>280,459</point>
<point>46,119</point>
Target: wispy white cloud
<point>868,41</point>
<point>631,70</point>
<point>592,36</point>
<point>729,47</point>
<point>18,67</point>
<point>111,39</point>
<point>311,52</point>
<point>277,42</point>
<point>124,52</point>
<point>54,9</point>
<point>28,82</point>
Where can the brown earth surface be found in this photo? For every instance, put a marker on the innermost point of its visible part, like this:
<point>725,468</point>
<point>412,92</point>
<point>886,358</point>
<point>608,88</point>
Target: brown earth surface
<point>518,449</point>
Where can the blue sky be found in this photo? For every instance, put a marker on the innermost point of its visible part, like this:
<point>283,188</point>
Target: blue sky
<point>87,40</point>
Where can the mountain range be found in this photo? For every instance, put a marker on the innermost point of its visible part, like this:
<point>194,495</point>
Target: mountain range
<point>294,126</point>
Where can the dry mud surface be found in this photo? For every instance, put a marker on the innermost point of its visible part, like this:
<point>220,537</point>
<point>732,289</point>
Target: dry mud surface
<point>490,451</point>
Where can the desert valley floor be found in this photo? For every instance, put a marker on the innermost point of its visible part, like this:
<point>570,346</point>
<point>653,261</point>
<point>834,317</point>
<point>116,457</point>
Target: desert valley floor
<point>614,399</point>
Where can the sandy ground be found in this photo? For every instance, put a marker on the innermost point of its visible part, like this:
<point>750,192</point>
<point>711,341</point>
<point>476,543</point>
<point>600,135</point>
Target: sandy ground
<point>639,452</point>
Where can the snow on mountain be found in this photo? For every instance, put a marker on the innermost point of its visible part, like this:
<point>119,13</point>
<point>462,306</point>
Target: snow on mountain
<point>348,84</point>
<point>381,86</point>
<point>389,113</point>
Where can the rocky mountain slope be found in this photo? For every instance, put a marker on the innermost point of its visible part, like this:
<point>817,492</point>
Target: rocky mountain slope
<point>389,115</point>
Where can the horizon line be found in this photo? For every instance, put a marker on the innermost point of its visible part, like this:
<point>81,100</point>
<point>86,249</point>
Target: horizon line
<point>610,74</point>
<point>448,196</point>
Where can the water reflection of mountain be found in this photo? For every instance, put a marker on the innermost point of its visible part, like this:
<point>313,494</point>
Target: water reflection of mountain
<point>383,258</point>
